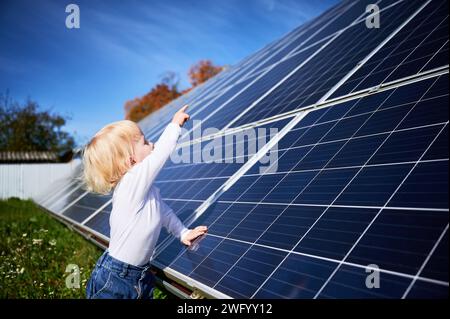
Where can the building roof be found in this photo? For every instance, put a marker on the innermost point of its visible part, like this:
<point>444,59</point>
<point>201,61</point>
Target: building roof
<point>28,157</point>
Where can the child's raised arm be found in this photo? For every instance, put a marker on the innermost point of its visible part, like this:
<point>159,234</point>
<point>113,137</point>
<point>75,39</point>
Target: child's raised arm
<point>142,175</point>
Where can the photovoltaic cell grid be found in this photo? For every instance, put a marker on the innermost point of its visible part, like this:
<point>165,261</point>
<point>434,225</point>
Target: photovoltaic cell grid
<point>185,186</point>
<point>359,183</point>
<point>313,79</point>
<point>421,46</point>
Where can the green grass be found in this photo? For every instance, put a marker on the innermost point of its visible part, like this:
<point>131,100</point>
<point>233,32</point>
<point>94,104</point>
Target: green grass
<point>36,249</point>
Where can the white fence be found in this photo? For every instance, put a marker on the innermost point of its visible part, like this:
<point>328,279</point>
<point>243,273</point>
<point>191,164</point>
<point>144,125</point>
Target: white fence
<point>28,181</point>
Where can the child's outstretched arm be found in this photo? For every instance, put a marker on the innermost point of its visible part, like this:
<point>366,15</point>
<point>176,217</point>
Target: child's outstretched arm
<point>165,145</point>
<point>174,226</point>
<point>142,175</point>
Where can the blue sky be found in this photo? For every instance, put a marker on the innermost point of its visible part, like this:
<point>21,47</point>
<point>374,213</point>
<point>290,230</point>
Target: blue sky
<point>123,47</point>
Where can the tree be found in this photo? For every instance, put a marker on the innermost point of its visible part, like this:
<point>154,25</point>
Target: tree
<point>202,71</point>
<point>24,127</point>
<point>167,90</point>
<point>159,96</point>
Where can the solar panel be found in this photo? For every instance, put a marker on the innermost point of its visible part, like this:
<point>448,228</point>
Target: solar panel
<point>68,197</point>
<point>418,47</point>
<point>341,54</point>
<point>361,173</point>
<point>54,190</point>
<point>317,208</point>
<point>186,186</point>
<point>85,206</point>
<point>100,221</point>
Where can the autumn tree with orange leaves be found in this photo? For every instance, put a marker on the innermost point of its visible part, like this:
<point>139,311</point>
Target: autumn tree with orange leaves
<point>202,71</point>
<point>166,91</point>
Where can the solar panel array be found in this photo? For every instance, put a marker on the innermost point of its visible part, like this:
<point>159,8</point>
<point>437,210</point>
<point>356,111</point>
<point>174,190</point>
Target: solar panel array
<point>361,179</point>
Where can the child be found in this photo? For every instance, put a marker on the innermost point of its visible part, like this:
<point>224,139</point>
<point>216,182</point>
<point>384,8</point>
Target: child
<point>120,157</point>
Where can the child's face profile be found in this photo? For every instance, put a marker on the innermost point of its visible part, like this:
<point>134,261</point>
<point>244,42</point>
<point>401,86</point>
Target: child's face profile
<point>142,148</point>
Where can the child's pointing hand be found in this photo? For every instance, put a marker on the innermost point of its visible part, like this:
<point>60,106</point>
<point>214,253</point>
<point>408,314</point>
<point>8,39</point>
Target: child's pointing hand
<point>192,234</point>
<point>181,116</point>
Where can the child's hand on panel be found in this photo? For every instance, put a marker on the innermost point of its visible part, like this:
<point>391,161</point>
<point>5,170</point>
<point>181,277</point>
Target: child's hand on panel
<point>193,234</point>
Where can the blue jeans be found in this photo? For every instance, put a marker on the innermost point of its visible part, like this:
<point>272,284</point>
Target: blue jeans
<point>114,279</point>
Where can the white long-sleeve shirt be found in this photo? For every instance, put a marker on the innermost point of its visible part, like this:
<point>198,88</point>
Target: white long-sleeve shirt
<point>138,213</point>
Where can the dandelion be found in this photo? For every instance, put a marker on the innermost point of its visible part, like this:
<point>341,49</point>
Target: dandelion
<point>24,235</point>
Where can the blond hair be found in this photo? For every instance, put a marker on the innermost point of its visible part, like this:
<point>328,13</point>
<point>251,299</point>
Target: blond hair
<point>106,158</point>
